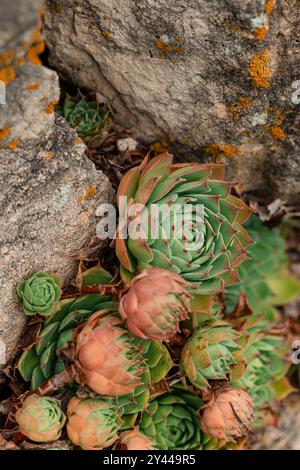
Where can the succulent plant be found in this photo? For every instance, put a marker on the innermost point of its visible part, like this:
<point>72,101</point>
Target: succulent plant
<point>158,363</point>
<point>41,418</point>
<point>181,217</point>
<point>264,351</point>
<point>228,415</point>
<point>171,420</point>
<point>108,359</point>
<point>39,294</point>
<point>43,360</point>
<point>92,424</point>
<point>210,353</point>
<point>135,440</point>
<point>88,118</point>
<point>264,274</point>
<point>154,303</point>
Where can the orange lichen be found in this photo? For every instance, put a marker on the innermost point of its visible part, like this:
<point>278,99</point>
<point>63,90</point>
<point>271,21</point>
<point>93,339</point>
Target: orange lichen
<point>78,140</point>
<point>243,103</point>
<point>48,155</point>
<point>55,8</point>
<point>89,194</point>
<point>179,49</point>
<point>34,52</point>
<point>6,57</point>
<point>13,144</point>
<point>4,133</point>
<point>19,61</point>
<point>259,69</point>
<point>277,132</point>
<point>7,75</point>
<point>260,33</point>
<point>33,86</point>
<point>106,35</point>
<point>50,108</point>
<point>178,37</point>
<point>163,46</point>
<point>269,6</point>
<point>217,151</point>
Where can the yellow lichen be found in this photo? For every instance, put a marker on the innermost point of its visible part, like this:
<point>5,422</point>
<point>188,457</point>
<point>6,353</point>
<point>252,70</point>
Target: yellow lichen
<point>13,144</point>
<point>259,69</point>
<point>50,108</point>
<point>4,133</point>
<point>7,74</point>
<point>242,103</point>
<point>89,194</point>
<point>217,151</point>
<point>33,86</point>
<point>269,6</point>
<point>260,33</point>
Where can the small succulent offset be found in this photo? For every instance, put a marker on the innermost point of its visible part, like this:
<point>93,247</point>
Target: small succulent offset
<point>39,294</point>
<point>197,231</point>
<point>107,357</point>
<point>228,415</point>
<point>172,421</point>
<point>41,418</point>
<point>154,303</point>
<point>210,353</point>
<point>88,118</point>
<point>135,440</point>
<point>92,424</point>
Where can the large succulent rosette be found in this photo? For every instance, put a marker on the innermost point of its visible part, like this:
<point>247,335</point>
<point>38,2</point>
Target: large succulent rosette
<point>181,217</point>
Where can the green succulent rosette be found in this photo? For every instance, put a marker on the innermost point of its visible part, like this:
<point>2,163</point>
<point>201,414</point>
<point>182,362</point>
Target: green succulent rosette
<point>264,352</point>
<point>43,360</point>
<point>88,118</point>
<point>264,279</point>
<point>39,294</point>
<point>197,231</point>
<point>172,421</point>
<point>210,353</point>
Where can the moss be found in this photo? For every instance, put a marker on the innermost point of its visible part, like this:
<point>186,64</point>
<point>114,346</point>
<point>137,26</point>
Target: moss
<point>259,69</point>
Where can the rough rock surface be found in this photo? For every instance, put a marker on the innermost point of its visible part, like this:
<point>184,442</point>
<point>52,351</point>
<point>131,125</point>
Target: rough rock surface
<point>49,192</point>
<point>286,436</point>
<point>215,75</point>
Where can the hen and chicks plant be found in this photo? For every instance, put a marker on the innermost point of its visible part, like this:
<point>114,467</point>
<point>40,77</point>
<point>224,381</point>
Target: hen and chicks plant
<point>170,360</point>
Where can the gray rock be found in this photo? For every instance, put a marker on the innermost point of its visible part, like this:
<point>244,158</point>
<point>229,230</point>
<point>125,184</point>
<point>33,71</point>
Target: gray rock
<point>181,68</point>
<point>49,193</point>
<point>18,20</point>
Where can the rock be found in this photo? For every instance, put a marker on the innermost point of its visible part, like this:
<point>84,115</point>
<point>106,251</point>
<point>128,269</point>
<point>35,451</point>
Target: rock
<point>286,434</point>
<point>217,77</point>
<point>49,192</point>
<point>18,20</point>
